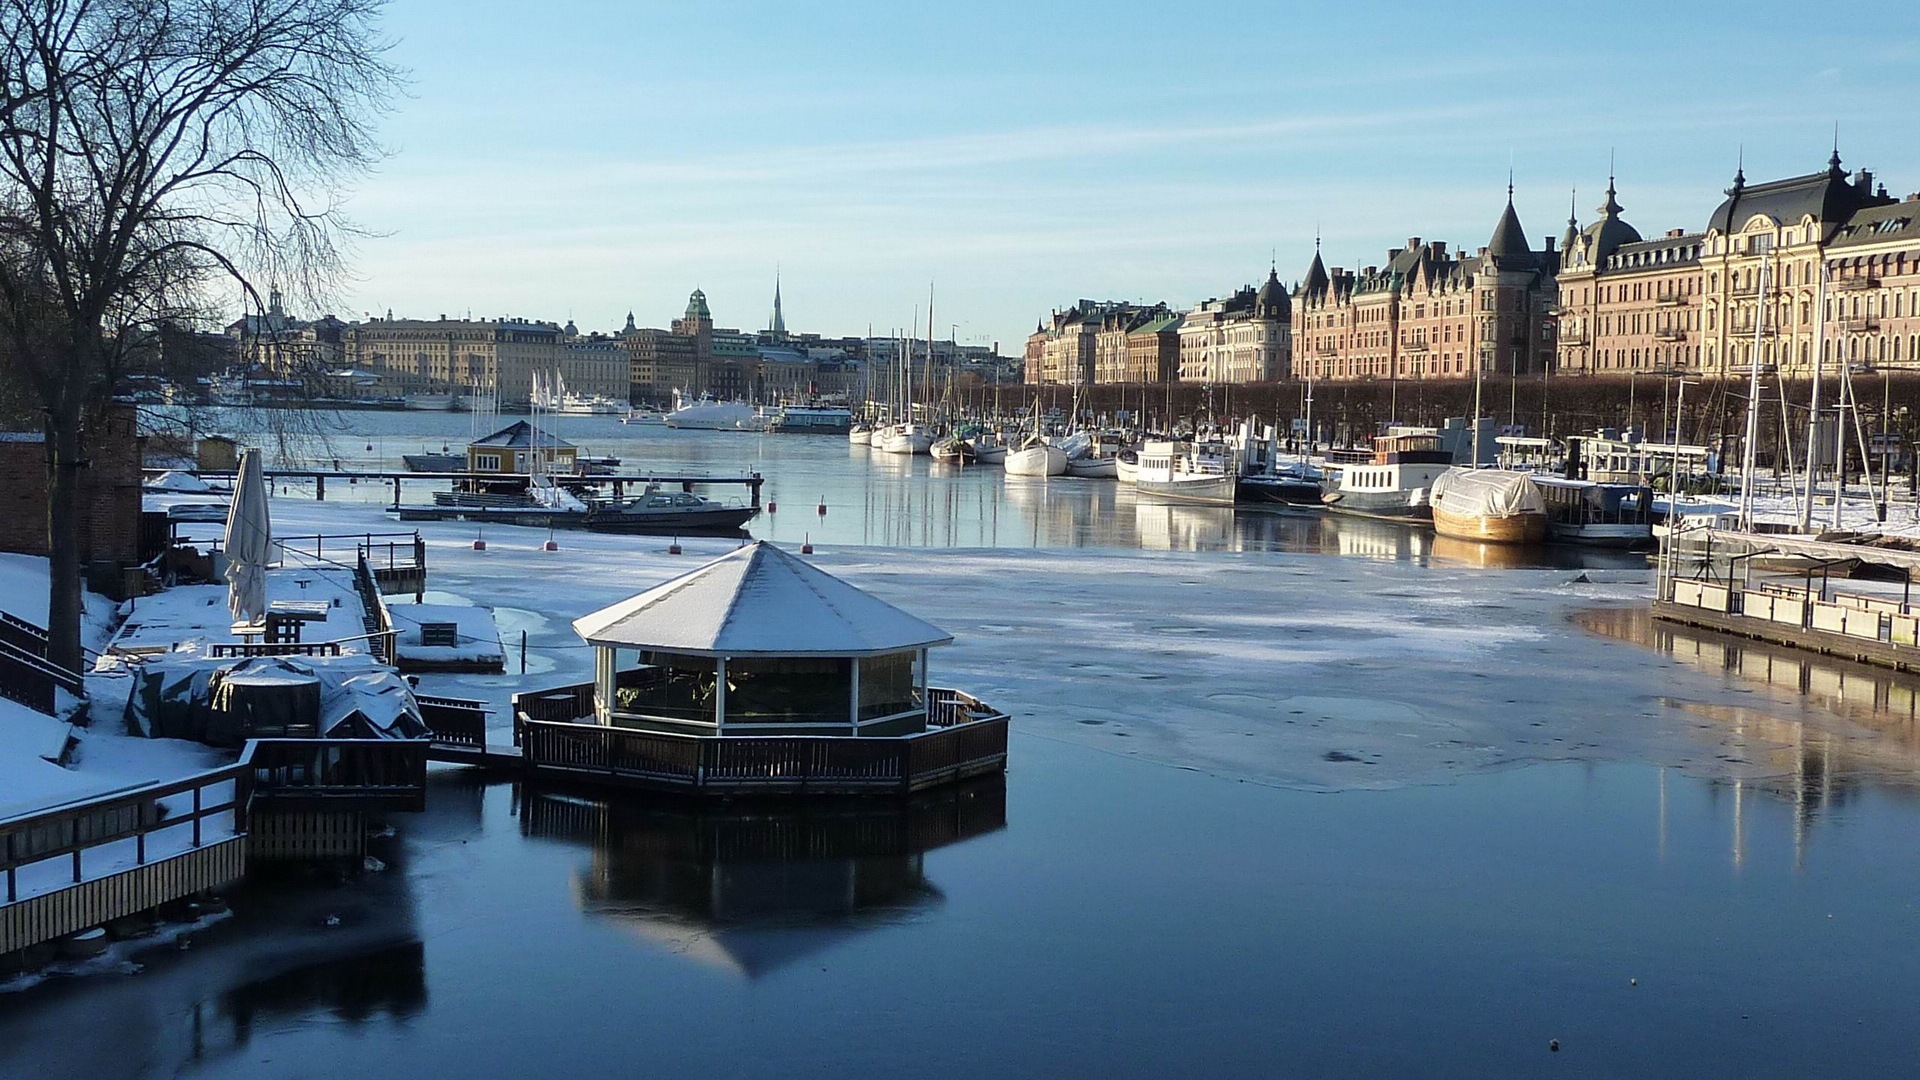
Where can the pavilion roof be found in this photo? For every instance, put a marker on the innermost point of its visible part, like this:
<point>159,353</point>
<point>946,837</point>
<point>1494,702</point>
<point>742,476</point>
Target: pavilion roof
<point>758,601</point>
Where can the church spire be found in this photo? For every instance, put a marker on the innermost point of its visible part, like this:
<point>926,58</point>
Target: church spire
<point>778,325</point>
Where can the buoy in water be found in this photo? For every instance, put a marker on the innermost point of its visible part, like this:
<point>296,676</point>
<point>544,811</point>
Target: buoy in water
<point>549,546</point>
<point>822,508</point>
<point>772,507</point>
<point>806,546</point>
<point>479,545</point>
<point>674,548</point>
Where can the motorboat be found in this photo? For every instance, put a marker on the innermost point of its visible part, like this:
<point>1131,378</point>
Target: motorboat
<point>1496,506</point>
<point>431,402</point>
<point>1392,482</point>
<point>657,512</point>
<point>644,416</point>
<point>1036,457</point>
<point>1200,472</point>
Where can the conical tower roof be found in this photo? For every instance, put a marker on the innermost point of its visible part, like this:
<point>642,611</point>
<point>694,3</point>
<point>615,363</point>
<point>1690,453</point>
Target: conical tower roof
<point>758,601</point>
<point>1316,282</point>
<point>1508,236</point>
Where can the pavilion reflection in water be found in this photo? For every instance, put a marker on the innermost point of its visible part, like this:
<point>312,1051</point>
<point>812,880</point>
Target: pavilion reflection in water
<point>1813,766</point>
<point>752,888</point>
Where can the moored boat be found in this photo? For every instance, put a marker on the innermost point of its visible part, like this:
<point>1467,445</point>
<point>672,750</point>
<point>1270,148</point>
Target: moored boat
<point>1393,482</point>
<point>903,438</point>
<point>1596,513</point>
<point>657,512</point>
<point>951,450</point>
<point>709,415</point>
<point>1036,457</point>
<point>1496,506</point>
<point>860,434</point>
<point>1191,472</point>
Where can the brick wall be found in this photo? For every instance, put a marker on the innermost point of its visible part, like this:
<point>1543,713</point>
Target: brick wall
<point>109,490</point>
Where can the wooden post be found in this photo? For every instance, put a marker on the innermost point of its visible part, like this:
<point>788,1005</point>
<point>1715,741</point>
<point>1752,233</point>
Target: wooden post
<point>319,487</point>
<point>853,702</point>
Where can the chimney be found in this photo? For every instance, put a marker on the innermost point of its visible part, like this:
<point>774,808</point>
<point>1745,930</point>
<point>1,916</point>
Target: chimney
<point>1482,252</point>
<point>1413,243</point>
<point>1439,250</point>
<point>1550,243</point>
<point>1676,233</point>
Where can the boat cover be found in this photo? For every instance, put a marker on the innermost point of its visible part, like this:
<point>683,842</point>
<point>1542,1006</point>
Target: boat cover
<point>1486,493</point>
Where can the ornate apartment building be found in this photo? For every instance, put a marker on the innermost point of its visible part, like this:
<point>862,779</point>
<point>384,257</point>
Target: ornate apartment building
<point>1748,288</point>
<point>1628,304</point>
<point>1247,337</point>
<point>1428,314</point>
<point>1063,347</point>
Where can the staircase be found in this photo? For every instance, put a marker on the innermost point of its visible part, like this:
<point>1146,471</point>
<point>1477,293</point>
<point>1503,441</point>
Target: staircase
<point>26,675</point>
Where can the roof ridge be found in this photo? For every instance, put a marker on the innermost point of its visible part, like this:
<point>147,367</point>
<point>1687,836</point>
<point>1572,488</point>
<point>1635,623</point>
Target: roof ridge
<point>733,602</point>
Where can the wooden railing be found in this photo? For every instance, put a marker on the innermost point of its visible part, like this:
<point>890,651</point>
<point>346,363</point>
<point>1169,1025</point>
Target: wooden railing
<point>34,681</point>
<point>454,721</point>
<point>966,737</point>
<point>227,649</point>
<point>370,774</point>
<point>70,832</point>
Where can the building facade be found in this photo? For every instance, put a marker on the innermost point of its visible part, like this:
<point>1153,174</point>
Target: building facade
<point>1628,304</point>
<point>1430,314</point>
<point>456,355</point>
<point>1247,337</point>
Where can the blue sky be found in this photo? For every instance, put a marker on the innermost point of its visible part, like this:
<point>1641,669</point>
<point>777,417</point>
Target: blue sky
<point>584,159</point>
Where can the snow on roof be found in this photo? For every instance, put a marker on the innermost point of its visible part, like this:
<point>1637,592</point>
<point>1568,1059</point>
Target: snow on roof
<point>758,601</point>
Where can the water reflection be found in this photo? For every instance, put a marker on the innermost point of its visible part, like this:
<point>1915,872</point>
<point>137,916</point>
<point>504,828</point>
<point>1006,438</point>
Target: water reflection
<point>895,500</point>
<point>1807,760</point>
<point>749,889</point>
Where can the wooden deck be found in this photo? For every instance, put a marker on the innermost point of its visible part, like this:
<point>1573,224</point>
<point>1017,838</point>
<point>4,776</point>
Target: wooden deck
<point>87,863</point>
<point>966,738</point>
<point>1884,654</point>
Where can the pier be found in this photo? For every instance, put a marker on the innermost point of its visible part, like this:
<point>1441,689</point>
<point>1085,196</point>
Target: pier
<point>617,482</point>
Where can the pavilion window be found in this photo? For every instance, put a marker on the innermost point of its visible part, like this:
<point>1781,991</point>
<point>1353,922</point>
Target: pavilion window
<point>889,685</point>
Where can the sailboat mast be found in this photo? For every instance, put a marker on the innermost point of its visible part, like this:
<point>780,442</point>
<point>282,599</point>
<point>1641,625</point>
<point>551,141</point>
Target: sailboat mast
<point>1813,406</point>
<point>1753,397</point>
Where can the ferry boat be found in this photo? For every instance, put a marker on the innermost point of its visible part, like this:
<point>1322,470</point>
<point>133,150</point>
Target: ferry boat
<point>707,414</point>
<point>1204,472</point>
<point>1597,513</point>
<point>1393,483</point>
<point>431,402</point>
<point>811,420</point>
<point>591,405</point>
<point>1495,506</point>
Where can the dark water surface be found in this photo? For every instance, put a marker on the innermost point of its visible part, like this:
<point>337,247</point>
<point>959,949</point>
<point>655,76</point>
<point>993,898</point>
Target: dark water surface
<point>1096,916</point>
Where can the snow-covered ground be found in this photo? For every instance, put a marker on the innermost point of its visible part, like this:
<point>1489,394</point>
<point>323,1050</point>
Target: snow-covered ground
<point>189,618</point>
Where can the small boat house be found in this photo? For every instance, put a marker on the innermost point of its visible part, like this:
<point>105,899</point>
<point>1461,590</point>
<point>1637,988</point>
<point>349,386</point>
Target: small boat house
<point>517,447</point>
<point>760,671</point>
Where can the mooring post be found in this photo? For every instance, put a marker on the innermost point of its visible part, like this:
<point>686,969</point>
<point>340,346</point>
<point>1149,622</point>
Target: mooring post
<point>319,487</point>
<point>396,491</point>
<point>523,652</point>
<point>753,486</point>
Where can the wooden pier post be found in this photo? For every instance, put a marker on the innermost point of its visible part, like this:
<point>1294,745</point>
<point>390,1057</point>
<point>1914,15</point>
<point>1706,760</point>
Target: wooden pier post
<point>319,487</point>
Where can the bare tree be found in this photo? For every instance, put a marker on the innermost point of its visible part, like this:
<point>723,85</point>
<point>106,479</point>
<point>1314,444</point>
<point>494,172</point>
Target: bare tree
<point>149,150</point>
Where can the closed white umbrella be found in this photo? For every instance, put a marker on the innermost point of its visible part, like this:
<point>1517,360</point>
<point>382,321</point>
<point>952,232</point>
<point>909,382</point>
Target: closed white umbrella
<point>249,542</point>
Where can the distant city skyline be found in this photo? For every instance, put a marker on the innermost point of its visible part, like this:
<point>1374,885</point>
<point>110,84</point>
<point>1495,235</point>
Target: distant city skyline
<point>1020,157</point>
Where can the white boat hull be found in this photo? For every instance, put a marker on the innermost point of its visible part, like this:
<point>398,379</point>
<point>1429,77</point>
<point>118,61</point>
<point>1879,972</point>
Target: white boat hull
<point>990,455</point>
<point>904,439</point>
<point>860,436</point>
<point>1126,472</point>
<point>713,416</point>
<point>1037,461</point>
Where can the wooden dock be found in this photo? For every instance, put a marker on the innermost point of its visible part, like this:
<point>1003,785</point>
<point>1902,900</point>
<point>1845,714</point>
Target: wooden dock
<point>617,482</point>
<point>1884,654</point>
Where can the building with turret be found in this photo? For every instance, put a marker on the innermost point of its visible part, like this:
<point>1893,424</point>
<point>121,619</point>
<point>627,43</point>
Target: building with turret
<point>1247,337</point>
<point>1426,313</point>
<point>1627,304</point>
